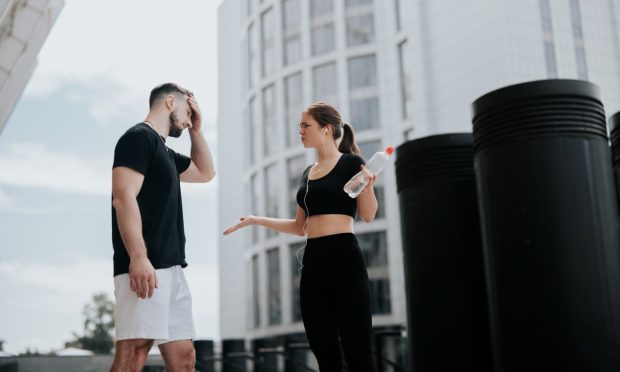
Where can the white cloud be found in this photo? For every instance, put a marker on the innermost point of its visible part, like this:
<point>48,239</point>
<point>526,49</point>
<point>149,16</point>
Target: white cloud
<point>4,198</point>
<point>136,52</point>
<point>34,165</point>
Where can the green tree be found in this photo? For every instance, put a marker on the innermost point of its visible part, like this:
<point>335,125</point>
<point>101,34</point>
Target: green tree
<point>98,326</point>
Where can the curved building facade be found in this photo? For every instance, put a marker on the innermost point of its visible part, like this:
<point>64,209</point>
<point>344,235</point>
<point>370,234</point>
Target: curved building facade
<point>396,70</point>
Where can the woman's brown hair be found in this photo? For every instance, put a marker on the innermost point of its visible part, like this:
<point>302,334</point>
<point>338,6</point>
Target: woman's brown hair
<point>326,114</point>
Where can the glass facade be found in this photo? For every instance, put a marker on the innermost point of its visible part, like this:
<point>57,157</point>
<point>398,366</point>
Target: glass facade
<point>271,194</point>
<point>374,247</point>
<point>267,43</point>
<point>272,114</point>
<point>253,61</point>
<point>256,291</point>
<point>291,31</point>
<point>360,23</point>
<point>322,22</point>
<point>548,44</point>
<point>270,128</point>
<point>293,106</point>
<point>296,259</point>
<point>254,145</point>
<point>295,167</point>
<point>273,285</point>
<point>404,69</point>
<point>254,206</point>
<point>325,83</point>
<point>363,92</point>
<point>580,52</point>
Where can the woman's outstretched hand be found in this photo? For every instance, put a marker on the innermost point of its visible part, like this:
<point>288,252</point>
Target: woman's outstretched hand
<point>245,221</point>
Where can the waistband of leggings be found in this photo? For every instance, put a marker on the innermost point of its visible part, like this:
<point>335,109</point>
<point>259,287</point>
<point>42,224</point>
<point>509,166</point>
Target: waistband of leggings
<point>332,238</point>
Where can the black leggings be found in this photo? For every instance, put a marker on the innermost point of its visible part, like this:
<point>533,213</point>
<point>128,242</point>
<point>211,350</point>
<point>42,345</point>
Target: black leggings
<point>335,303</point>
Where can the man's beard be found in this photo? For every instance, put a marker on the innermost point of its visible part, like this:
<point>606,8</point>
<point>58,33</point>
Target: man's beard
<point>175,128</point>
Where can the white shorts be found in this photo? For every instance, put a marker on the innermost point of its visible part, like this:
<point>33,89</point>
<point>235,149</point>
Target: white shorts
<point>165,317</point>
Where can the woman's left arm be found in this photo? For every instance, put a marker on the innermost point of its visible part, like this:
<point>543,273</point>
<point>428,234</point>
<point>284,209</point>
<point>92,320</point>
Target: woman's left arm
<point>367,201</point>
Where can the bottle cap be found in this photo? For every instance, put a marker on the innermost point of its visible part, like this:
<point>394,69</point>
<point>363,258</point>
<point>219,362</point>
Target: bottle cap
<point>389,150</point>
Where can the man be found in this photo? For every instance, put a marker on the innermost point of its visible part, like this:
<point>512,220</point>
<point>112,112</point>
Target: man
<point>153,303</point>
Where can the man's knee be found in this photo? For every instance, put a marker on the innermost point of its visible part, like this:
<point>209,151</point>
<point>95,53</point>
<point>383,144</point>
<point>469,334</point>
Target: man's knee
<point>188,359</point>
<point>181,359</point>
<point>131,355</point>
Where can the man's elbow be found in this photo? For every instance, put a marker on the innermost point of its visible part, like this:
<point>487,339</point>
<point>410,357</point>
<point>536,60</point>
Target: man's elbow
<point>208,176</point>
<point>118,201</point>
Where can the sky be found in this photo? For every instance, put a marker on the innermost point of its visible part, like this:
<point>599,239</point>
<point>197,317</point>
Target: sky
<point>92,82</point>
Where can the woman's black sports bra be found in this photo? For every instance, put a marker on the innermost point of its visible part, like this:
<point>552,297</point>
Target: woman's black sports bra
<point>325,195</point>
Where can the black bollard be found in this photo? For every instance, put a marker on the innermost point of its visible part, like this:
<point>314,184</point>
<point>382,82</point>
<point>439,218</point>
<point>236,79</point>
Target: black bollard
<point>614,136</point>
<point>548,214</point>
<point>448,326</point>
<point>234,355</point>
<point>204,355</point>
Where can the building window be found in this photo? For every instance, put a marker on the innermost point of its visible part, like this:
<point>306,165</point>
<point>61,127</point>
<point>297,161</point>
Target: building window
<point>291,31</point>
<point>249,6</point>
<point>398,10</point>
<point>550,61</point>
<point>354,3</point>
<point>360,30</point>
<point>380,292</point>
<point>296,259</point>
<point>363,92</point>
<point>325,83</point>
<point>360,23</point>
<point>270,135</point>
<point>295,167</point>
<point>580,53</point>
<point>252,57</point>
<point>580,58</point>
<point>374,248</point>
<point>322,21</point>
<point>363,72</point>
<point>267,43</point>
<point>271,195</point>
<point>548,44</point>
<point>252,135</point>
<point>274,297</point>
<point>255,291</point>
<point>254,206</point>
<point>293,103</point>
<point>368,149</point>
<point>404,65</point>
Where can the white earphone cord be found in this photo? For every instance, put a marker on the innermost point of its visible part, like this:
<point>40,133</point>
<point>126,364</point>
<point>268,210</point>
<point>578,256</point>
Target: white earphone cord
<point>301,265</point>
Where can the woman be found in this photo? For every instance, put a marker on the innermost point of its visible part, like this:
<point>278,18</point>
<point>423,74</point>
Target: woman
<point>334,288</point>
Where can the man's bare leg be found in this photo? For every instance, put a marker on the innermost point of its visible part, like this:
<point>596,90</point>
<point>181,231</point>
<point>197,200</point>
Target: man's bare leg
<point>131,355</point>
<point>179,356</point>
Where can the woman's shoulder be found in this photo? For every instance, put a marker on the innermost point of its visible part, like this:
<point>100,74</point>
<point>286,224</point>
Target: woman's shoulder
<point>352,158</point>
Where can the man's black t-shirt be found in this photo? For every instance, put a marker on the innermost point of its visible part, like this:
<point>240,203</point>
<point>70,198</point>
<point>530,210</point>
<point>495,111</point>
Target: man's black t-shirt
<point>143,150</point>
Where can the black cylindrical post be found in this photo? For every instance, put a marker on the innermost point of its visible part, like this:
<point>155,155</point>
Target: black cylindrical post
<point>204,354</point>
<point>233,355</point>
<point>614,136</point>
<point>448,328</point>
<point>548,214</point>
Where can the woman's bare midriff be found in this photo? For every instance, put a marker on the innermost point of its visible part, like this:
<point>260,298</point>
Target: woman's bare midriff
<point>328,224</point>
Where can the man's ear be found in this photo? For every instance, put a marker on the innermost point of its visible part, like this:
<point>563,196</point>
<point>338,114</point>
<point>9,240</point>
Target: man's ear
<point>170,102</point>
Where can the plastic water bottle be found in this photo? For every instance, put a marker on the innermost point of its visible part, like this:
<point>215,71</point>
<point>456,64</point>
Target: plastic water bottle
<point>375,165</point>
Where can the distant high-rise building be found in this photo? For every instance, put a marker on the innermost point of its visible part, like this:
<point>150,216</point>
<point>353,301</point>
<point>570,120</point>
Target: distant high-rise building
<point>396,70</point>
<point>24,26</point>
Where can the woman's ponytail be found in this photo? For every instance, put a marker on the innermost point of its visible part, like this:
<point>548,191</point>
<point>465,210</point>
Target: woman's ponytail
<point>347,144</point>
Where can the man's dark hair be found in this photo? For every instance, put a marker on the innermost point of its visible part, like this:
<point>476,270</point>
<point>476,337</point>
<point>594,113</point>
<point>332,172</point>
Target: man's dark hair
<point>166,89</point>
